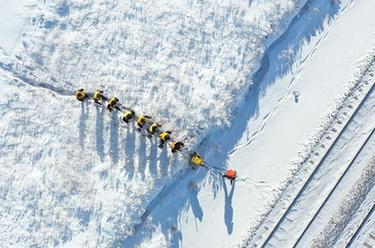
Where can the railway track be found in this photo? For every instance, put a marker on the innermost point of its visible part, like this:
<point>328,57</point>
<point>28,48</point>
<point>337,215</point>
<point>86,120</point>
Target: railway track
<point>318,167</point>
<point>335,187</point>
<point>360,228</point>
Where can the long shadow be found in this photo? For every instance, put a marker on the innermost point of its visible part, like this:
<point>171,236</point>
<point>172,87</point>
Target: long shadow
<point>129,146</point>
<point>194,203</point>
<point>164,162</point>
<point>99,132</point>
<point>228,214</point>
<point>82,124</point>
<point>113,137</point>
<point>278,60</point>
<point>152,158</point>
<point>142,155</point>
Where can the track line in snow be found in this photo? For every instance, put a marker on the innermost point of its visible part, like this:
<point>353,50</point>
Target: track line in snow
<point>358,231</point>
<point>317,168</point>
<point>33,82</point>
<point>335,187</point>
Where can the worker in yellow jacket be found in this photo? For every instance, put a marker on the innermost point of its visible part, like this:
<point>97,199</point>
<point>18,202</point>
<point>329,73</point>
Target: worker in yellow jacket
<point>164,137</point>
<point>98,96</point>
<point>196,159</point>
<point>176,146</point>
<point>141,121</point>
<point>112,103</point>
<point>81,95</point>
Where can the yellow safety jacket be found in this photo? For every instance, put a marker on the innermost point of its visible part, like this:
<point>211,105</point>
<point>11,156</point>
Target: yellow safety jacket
<point>179,145</point>
<point>197,160</point>
<point>112,102</point>
<point>128,115</point>
<point>141,120</point>
<point>153,128</point>
<point>81,95</point>
<point>164,136</point>
<point>98,95</point>
<point>173,145</point>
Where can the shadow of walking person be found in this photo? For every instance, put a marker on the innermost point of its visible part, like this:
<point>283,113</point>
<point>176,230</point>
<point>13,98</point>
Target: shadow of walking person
<point>113,137</point>
<point>99,132</point>
<point>142,155</point>
<point>194,203</point>
<point>228,214</point>
<point>82,124</point>
<point>152,159</point>
<point>163,163</point>
<point>129,145</point>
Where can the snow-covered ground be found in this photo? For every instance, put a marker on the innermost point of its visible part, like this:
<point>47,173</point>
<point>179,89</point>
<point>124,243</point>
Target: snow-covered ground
<point>13,18</point>
<point>250,84</point>
<point>271,139</point>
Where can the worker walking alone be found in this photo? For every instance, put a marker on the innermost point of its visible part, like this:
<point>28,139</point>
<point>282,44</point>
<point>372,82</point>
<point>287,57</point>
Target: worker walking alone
<point>231,175</point>
<point>164,137</point>
<point>112,103</point>
<point>81,95</point>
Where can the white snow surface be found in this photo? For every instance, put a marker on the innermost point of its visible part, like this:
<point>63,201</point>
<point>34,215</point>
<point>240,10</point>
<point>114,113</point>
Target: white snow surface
<point>264,147</point>
<point>247,83</point>
<point>187,62</point>
<point>13,19</point>
<point>71,174</point>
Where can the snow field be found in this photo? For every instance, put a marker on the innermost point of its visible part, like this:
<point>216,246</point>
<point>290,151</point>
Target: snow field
<point>259,170</point>
<point>187,62</point>
<point>72,178</point>
<point>66,183</point>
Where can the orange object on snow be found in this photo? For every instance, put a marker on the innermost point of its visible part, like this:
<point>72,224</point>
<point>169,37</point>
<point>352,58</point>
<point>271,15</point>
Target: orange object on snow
<point>231,174</point>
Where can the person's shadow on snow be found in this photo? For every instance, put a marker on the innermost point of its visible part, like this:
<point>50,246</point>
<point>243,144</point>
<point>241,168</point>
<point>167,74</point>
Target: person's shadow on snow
<point>194,203</point>
<point>82,124</point>
<point>228,214</point>
<point>113,137</point>
<point>99,127</point>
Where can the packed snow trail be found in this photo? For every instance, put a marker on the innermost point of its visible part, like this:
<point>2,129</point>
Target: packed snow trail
<point>34,81</point>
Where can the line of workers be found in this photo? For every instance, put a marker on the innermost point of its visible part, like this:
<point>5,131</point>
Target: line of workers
<point>153,128</point>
